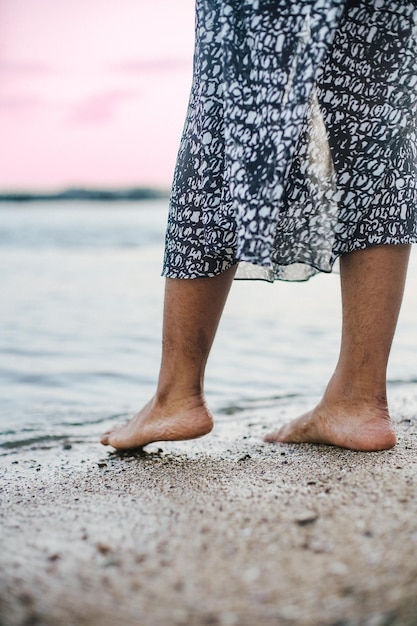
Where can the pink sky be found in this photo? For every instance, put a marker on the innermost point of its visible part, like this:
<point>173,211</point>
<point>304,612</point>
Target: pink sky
<point>92,92</point>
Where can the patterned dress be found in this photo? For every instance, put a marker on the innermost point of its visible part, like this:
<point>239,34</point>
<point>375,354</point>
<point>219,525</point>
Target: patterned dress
<point>300,142</point>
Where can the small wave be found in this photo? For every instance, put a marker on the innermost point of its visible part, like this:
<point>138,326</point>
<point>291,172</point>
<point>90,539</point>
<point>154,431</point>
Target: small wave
<point>70,431</point>
<point>398,381</point>
<point>30,441</point>
<point>44,352</point>
<point>99,420</point>
<point>257,403</point>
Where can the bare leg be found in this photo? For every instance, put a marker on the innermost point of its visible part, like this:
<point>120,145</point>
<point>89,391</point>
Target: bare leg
<point>353,412</point>
<point>192,311</point>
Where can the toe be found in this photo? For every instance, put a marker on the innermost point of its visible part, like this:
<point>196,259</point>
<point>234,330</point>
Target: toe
<point>104,439</point>
<point>273,437</point>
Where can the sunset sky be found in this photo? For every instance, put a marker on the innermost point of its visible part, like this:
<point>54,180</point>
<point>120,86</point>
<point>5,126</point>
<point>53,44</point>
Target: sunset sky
<point>92,92</point>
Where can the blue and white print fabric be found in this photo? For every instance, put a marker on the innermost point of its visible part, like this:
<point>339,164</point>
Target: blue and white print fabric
<point>300,142</point>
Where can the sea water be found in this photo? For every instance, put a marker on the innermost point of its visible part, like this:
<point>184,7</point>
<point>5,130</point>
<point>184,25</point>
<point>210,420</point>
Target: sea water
<point>80,322</point>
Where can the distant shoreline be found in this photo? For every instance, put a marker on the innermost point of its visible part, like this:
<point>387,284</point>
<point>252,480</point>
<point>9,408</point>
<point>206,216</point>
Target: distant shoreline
<point>107,195</point>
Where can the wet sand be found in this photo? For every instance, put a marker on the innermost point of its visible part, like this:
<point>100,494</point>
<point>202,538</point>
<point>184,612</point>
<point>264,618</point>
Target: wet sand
<point>226,530</point>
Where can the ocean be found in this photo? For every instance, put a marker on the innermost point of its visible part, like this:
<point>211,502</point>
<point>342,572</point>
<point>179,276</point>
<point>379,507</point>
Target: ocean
<point>80,319</point>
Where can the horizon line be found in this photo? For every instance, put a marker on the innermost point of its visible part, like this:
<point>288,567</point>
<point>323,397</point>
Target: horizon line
<point>86,193</point>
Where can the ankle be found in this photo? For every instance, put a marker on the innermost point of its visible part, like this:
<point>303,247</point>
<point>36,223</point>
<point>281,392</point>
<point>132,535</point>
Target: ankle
<point>357,391</point>
<point>178,395</point>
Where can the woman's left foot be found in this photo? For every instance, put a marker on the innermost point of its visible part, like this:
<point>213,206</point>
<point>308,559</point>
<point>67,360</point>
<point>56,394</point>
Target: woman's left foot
<point>168,421</point>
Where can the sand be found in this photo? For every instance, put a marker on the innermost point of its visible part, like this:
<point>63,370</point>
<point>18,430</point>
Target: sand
<point>226,530</point>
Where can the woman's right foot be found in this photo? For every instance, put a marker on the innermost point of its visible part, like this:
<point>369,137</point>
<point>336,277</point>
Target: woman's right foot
<point>170,421</point>
<point>365,428</point>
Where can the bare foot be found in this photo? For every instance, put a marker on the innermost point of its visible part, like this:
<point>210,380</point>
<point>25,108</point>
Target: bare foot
<point>162,422</point>
<point>365,428</point>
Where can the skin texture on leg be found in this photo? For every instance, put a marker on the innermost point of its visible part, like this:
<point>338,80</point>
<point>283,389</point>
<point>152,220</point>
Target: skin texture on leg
<point>353,412</point>
<point>192,311</point>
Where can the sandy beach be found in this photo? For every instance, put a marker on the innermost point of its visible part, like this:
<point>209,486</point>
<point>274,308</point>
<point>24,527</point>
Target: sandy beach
<point>226,530</point>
